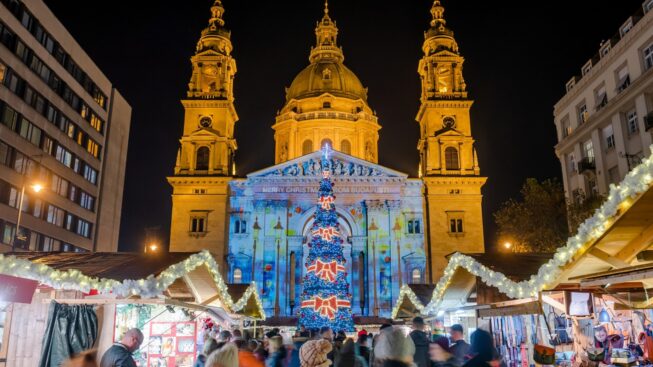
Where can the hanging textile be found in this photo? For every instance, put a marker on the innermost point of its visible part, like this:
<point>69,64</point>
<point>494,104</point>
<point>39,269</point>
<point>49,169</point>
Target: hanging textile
<point>71,329</point>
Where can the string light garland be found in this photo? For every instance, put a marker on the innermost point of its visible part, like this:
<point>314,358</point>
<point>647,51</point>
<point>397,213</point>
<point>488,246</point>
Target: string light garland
<point>620,197</point>
<point>149,287</point>
<point>404,292</point>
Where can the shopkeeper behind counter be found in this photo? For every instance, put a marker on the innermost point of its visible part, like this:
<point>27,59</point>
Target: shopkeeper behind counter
<point>607,342</point>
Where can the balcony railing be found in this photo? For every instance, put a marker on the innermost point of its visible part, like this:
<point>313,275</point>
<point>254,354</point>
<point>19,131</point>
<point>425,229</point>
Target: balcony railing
<point>586,164</point>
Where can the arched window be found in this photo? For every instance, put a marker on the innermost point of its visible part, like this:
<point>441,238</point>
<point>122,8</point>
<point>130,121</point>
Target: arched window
<point>451,158</point>
<point>238,276</point>
<point>416,276</point>
<point>202,161</point>
<point>345,147</point>
<point>307,147</point>
<point>325,142</point>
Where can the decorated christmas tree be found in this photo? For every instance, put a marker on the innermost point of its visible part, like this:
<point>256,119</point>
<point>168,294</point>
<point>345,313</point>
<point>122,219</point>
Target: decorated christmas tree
<point>326,300</point>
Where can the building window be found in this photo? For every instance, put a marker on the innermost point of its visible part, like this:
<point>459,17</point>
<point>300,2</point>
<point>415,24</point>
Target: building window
<point>240,226</point>
<point>623,79</point>
<point>631,121</point>
<point>570,84</point>
<point>202,162</point>
<point>601,98</point>
<point>588,150</point>
<point>626,27</point>
<point>648,57</point>
<point>414,226</point>
<point>565,127</point>
<point>571,163</point>
<point>456,222</point>
<point>605,48</point>
<point>583,115</point>
<point>198,224</point>
<point>416,276</point>
<point>345,147</point>
<point>451,158</point>
<point>613,175</point>
<point>586,68</point>
<point>648,6</point>
<point>608,136</point>
<point>326,105</point>
<point>326,142</point>
<point>238,276</point>
<point>307,147</point>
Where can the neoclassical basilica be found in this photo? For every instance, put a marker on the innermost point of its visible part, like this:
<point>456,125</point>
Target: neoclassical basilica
<point>397,229</point>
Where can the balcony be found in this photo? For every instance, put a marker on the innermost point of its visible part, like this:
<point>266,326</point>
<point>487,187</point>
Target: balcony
<point>586,164</point>
<point>648,122</point>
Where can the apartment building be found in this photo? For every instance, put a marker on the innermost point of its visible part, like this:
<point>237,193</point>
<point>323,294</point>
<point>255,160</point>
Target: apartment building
<point>64,131</point>
<point>604,121</point>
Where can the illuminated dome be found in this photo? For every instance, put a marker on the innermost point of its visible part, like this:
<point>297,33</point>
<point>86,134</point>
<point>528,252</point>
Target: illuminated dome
<point>326,76</point>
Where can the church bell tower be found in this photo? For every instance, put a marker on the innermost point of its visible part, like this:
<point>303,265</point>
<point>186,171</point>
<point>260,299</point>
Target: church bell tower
<point>448,161</point>
<point>205,161</point>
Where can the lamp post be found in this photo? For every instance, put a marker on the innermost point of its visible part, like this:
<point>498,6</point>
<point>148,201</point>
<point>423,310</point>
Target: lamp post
<point>278,228</point>
<point>36,187</point>
<point>397,229</point>
<point>256,228</point>
<point>373,232</point>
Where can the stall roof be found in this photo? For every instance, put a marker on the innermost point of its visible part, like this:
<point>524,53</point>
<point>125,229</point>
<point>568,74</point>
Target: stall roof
<point>615,252</point>
<point>112,265</point>
<point>192,277</point>
<point>411,300</point>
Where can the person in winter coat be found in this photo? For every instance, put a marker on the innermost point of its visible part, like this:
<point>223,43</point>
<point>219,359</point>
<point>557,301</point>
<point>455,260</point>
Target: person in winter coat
<point>459,346</point>
<point>421,341</point>
<point>482,349</point>
<point>120,353</point>
<point>210,345</point>
<point>348,356</point>
<point>276,352</point>
<point>363,348</point>
<point>394,349</point>
<point>314,353</point>
<point>441,353</point>
<point>246,357</point>
<point>227,356</point>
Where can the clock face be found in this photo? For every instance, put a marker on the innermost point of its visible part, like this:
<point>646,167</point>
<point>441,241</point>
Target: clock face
<point>449,122</point>
<point>205,121</point>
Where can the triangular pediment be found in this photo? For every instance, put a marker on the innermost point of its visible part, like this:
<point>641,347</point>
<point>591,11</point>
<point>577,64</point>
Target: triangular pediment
<point>206,131</point>
<point>448,131</point>
<point>343,166</point>
<point>445,53</point>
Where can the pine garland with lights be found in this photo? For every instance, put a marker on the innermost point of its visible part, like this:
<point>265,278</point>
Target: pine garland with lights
<point>326,300</point>
<point>621,197</point>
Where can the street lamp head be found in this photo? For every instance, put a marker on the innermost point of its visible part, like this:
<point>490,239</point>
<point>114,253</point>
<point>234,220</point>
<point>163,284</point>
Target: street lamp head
<point>278,226</point>
<point>256,226</point>
<point>37,187</point>
<point>507,245</point>
<point>152,247</point>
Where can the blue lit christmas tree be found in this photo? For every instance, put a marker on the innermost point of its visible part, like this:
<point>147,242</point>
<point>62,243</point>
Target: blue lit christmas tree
<point>326,300</point>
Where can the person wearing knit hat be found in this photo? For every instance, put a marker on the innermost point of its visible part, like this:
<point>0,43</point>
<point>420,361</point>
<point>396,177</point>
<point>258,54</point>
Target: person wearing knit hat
<point>394,349</point>
<point>314,353</point>
<point>441,353</point>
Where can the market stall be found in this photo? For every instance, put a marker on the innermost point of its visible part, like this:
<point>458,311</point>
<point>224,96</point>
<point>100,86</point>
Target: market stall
<point>173,299</point>
<point>603,266</point>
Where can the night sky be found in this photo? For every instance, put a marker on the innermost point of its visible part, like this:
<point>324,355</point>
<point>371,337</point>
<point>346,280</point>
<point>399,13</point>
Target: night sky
<point>518,58</point>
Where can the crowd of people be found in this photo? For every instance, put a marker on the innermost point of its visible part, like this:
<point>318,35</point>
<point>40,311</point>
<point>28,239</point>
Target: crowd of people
<point>391,347</point>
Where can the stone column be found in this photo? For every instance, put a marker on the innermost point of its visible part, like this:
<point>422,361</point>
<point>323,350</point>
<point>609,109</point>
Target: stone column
<point>294,245</point>
<point>394,214</point>
<point>643,109</point>
<point>359,294</point>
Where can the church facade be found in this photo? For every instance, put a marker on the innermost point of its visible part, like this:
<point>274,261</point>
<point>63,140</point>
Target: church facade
<point>396,229</point>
